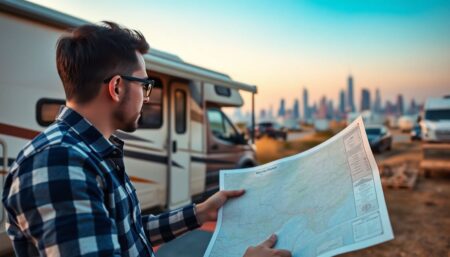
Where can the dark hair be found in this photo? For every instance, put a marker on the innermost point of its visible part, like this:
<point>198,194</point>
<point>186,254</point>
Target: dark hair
<point>93,53</point>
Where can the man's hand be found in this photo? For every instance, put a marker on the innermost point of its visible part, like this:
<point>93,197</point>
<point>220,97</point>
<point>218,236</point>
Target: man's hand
<point>265,249</point>
<point>207,211</point>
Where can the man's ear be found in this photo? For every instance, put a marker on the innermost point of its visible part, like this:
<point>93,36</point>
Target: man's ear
<point>114,88</point>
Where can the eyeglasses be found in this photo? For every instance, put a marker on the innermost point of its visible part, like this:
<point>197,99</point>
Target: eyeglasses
<point>147,84</point>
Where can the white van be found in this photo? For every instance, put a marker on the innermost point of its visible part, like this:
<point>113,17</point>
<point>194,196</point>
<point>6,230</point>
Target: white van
<point>183,140</point>
<point>406,123</point>
<point>435,122</point>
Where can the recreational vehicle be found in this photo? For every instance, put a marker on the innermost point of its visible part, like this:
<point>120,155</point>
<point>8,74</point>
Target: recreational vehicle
<point>435,124</point>
<point>183,139</point>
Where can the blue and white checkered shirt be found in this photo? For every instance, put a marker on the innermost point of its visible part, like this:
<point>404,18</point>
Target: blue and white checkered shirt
<point>67,194</point>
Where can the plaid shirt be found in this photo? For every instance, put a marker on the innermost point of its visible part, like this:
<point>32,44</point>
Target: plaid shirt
<point>67,194</point>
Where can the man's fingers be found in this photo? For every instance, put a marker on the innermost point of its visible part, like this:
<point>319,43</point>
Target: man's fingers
<point>283,253</point>
<point>234,193</point>
<point>266,249</point>
<point>219,198</point>
<point>270,242</point>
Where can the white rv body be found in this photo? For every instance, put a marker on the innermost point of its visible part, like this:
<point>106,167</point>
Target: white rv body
<point>435,123</point>
<point>176,153</point>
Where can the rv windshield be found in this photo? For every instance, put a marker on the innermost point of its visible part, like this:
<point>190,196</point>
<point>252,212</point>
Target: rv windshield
<point>436,115</point>
<point>220,126</point>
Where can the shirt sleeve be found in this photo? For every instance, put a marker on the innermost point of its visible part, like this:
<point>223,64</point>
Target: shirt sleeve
<point>166,226</point>
<point>55,206</point>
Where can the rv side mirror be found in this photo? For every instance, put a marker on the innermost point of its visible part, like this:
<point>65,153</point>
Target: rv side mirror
<point>240,139</point>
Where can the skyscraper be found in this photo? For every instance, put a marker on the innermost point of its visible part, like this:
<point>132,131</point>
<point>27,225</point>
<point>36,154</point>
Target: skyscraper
<point>282,110</point>
<point>330,110</point>
<point>296,110</point>
<point>413,107</point>
<point>270,113</point>
<point>377,104</point>
<point>365,100</point>
<point>390,108</point>
<point>322,112</point>
<point>400,105</point>
<point>313,110</point>
<point>342,102</point>
<point>306,109</point>
<point>350,102</point>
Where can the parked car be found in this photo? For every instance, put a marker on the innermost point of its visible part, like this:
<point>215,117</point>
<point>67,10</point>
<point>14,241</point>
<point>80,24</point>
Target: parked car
<point>321,125</point>
<point>406,123</point>
<point>416,132</point>
<point>380,139</point>
<point>292,125</point>
<point>270,129</point>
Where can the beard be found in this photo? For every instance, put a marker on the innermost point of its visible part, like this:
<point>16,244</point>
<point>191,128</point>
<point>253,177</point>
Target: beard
<point>129,123</point>
<point>126,121</point>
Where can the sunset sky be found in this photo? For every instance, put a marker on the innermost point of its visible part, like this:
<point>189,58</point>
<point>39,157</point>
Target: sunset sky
<point>282,46</point>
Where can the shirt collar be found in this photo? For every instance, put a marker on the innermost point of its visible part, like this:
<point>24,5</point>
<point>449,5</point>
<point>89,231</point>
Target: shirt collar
<point>90,134</point>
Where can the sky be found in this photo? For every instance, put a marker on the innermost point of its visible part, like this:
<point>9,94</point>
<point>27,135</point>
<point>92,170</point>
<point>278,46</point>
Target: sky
<point>283,46</point>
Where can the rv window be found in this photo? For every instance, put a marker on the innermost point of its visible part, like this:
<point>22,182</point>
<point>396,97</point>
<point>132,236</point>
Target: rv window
<point>152,112</point>
<point>223,91</point>
<point>220,126</point>
<point>180,111</point>
<point>436,115</point>
<point>47,110</point>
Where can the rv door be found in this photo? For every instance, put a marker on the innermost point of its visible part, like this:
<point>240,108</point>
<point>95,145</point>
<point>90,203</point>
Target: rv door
<point>179,156</point>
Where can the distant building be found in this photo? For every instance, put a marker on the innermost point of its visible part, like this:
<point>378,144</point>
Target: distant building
<point>413,107</point>
<point>270,113</point>
<point>262,114</point>
<point>282,109</point>
<point>322,111</point>
<point>390,108</point>
<point>342,102</point>
<point>313,110</point>
<point>288,114</point>
<point>400,105</point>
<point>350,99</point>
<point>365,100</point>
<point>330,110</point>
<point>296,110</point>
<point>377,104</point>
<point>306,108</point>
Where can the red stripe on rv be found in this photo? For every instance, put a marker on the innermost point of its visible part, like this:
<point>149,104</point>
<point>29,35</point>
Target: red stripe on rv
<point>17,131</point>
<point>141,180</point>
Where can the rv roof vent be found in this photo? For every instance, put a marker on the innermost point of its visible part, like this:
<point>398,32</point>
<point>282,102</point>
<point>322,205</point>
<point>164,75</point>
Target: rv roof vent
<point>222,91</point>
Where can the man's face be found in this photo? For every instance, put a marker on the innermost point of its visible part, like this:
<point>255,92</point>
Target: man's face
<point>130,108</point>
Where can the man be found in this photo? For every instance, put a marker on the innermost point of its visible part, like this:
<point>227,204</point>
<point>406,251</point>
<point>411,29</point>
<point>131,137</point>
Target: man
<point>68,194</point>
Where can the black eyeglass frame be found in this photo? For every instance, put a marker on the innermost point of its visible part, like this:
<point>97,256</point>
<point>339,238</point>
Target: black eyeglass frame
<point>147,84</point>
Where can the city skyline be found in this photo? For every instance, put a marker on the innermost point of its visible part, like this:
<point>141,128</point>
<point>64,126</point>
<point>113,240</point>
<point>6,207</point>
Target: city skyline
<point>396,46</point>
<point>326,108</point>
